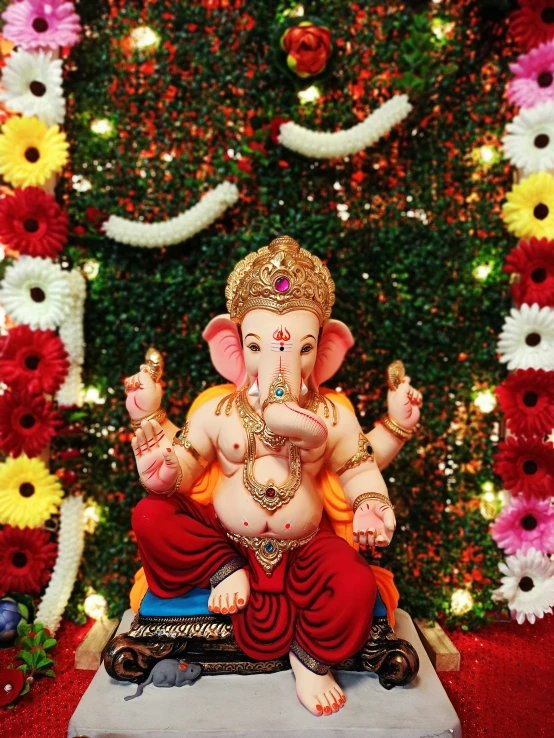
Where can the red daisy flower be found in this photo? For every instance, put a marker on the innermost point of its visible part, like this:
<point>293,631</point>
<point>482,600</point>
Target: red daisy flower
<point>27,423</point>
<point>36,360</point>
<point>534,262</point>
<point>26,558</point>
<point>526,398</point>
<point>533,23</point>
<point>11,684</point>
<point>525,466</point>
<point>33,223</point>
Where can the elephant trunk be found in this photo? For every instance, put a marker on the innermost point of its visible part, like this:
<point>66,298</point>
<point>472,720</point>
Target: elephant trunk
<point>304,428</point>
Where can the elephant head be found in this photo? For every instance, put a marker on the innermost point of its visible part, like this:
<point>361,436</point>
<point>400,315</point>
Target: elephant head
<point>271,350</point>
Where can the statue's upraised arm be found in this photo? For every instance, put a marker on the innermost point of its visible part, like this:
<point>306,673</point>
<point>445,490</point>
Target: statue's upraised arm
<point>169,458</point>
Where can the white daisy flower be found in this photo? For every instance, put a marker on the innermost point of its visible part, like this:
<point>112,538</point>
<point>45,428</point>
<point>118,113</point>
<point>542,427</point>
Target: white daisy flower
<point>529,144</point>
<point>528,585</point>
<point>527,338</point>
<point>33,86</point>
<point>36,291</point>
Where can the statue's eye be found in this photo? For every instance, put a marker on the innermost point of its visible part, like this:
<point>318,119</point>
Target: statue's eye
<point>254,347</point>
<point>307,348</point>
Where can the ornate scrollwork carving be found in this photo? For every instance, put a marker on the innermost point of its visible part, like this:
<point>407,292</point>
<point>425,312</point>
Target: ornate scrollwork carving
<point>394,660</point>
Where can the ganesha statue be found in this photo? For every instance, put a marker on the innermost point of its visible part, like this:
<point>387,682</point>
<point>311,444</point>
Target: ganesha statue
<point>264,498</point>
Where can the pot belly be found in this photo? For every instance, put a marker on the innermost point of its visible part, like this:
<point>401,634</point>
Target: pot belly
<point>239,513</point>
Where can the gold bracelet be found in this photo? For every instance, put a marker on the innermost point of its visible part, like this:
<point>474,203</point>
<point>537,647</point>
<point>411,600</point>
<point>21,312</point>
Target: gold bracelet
<point>158,415</point>
<point>364,453</point>
<point>403,434</point>
<point>180,439</point>
<point>371,496</point>
<point>171,490</point>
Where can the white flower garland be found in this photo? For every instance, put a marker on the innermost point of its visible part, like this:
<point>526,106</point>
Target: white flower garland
<point>320,145</point>
<point>178,229</point>
<point>71,333</point>
<point>70,549</point>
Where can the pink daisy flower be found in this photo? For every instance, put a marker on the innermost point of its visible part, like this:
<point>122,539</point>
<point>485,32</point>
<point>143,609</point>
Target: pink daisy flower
<point>31,24</point>
<point>524,524</point>
<point>534,77</point>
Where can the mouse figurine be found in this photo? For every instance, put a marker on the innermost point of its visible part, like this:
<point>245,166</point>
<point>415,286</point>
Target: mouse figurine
<point>169,673</point>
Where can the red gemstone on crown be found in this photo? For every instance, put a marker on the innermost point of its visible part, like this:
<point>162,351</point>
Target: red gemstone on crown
<point>281,284</point>
<point>270,492</point>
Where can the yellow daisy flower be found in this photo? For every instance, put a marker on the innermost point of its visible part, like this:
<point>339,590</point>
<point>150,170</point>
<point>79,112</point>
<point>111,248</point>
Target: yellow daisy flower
<point>529,211</point>
<point>30,152</point>
<point>29,494</point>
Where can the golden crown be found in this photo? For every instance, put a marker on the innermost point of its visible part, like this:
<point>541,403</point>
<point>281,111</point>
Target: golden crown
<point>280,277</point>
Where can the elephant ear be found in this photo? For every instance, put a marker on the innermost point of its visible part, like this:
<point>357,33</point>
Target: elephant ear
<point>335,341</point>
<point>225,349</point>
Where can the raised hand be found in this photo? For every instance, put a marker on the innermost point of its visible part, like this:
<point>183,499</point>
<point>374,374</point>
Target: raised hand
<point>144,395</point>
<point>404,403</point>
<point>373,525</point>
<point>157,462</point>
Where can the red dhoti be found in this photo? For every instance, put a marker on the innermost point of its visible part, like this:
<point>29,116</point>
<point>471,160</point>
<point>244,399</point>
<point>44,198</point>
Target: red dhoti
<point>320,597</point>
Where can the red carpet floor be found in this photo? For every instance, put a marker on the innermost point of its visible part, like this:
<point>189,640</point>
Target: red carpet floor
<point>505,688</point>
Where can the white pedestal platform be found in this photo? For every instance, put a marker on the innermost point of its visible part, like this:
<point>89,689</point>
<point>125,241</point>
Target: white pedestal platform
<point>265,705</point>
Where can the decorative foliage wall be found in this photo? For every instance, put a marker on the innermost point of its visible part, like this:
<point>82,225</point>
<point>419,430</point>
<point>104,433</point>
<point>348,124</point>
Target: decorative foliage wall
<point>166,101</point>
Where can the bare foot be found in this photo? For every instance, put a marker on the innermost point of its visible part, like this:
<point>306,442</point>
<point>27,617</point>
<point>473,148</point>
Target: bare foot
<point>321,695</point>
<point>231,594</point>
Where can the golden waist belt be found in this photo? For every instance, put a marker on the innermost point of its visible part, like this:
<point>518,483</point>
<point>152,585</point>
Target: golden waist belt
<point>269,551</point>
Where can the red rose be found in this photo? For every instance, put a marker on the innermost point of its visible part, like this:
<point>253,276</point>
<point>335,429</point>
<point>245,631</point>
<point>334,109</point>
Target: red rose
<point>11,684</point>
<point>308,48</point>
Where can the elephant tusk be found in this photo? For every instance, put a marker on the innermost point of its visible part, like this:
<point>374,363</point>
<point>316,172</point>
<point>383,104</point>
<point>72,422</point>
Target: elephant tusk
<point>254,390</point>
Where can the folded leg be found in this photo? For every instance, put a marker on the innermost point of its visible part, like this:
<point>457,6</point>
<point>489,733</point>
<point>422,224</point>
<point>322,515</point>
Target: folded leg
<point>182,545</point>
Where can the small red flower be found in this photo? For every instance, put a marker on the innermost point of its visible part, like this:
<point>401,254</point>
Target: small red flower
<point>533,23</point>
<point>33,360</point>
<point>525,466</point>
<point>27,423</point>
<point>11,684</point>
<point>275,129</point>
<point>33,223</point>
<point>27,556</point>
<point>308,48</point>
<point>533,260</point>
<point>526,398</point>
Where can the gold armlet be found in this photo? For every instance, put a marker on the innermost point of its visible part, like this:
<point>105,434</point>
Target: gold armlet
<point>180,439</point>
<point>171,490</point>
<point>365,496</point>
<point>403,434</point>
<point>279,391</point>
<point>364,453</point>
<point>158,415</point>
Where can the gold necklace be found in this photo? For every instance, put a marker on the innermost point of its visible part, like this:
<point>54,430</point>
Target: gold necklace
<point>313,402</point>
<point>270,496</point>
<point>250,419</point>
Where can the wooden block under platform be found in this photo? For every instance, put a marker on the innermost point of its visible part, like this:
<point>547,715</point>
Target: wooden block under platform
<point>443,653</point>
<point>87,656</point>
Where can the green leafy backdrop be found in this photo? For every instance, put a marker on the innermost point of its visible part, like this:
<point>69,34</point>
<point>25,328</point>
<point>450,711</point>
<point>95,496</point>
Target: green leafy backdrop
<point>423,212</point>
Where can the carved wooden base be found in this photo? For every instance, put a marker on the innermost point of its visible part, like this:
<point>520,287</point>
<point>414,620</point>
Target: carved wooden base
<point>208,640</point>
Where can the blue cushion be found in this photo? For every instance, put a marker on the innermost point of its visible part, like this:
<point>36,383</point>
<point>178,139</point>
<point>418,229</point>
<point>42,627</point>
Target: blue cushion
<point>194,602</point>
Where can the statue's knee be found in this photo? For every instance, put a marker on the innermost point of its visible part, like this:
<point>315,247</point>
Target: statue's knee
<point>359,587</point>
<point>151,512</point>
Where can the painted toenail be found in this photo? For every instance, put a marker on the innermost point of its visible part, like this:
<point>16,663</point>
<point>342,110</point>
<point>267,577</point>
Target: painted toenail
<point>224,611</point>
<point>241,601</point>
<point>319,708</point>
<point>326,709</point>
<point>335,706</point>
<point>216,609</point>
<point>232,608</point>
